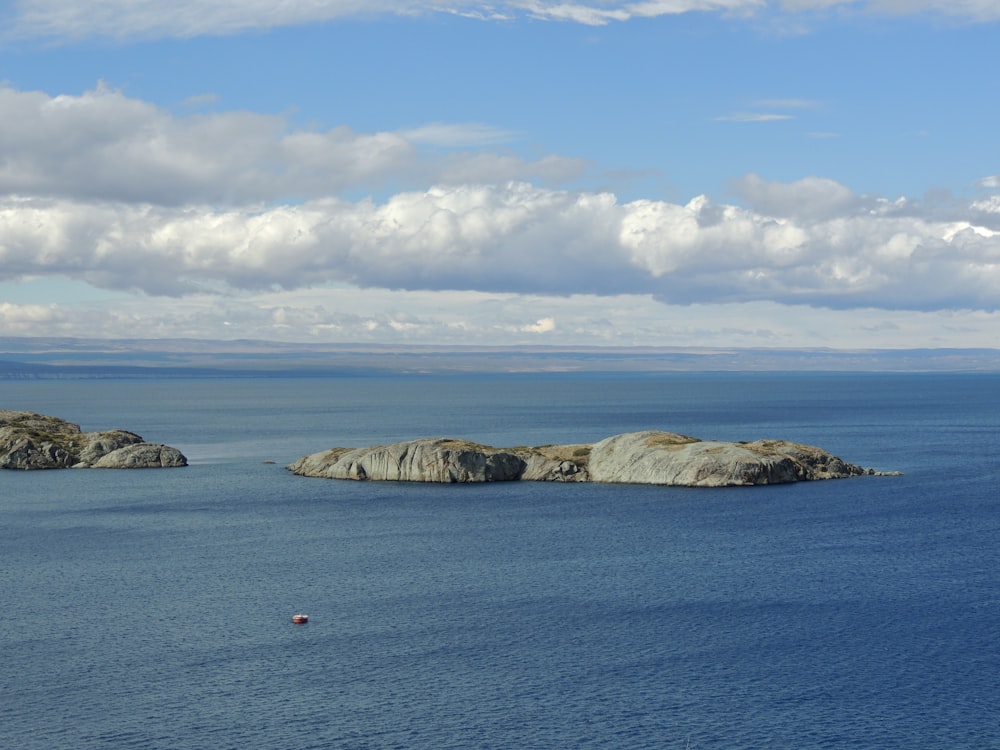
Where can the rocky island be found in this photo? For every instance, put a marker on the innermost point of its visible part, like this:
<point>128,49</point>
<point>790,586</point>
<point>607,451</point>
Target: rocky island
<point>649,457</point>
<point>35,441</point>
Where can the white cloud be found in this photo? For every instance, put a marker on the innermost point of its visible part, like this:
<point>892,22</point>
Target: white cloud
<point>124,19</point>
<point>455,135</point>
<point>122,195</point>
<point>200,99</point>
<point>17,319</point>
<point>575,12</point>
<point>373,316</point>
<point>787,104</point>
<point>989,205</point>
<point>808,198</point>
<point>811,242</point>
<point>187,18</point>
<point>971,10</point>
<point>755,117</point>
<point>544,325</point>
<point>765,110</point>
<point>103,144</point>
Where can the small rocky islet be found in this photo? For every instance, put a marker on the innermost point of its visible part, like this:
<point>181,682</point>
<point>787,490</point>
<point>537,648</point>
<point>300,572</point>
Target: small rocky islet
<point>35,441</point>
<point>648,457</point>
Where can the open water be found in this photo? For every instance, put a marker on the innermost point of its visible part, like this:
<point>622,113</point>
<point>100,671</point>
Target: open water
<point>152,609</point>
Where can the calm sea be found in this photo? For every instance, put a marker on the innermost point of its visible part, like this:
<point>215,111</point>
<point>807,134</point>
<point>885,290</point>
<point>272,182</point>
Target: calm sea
<point>152,609</point>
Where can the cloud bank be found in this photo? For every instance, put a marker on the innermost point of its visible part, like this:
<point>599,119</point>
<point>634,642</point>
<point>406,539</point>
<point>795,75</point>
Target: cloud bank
<point>123,19</point>
<point>842,251</point>
<point>114,192</point>
<point>107,146</point>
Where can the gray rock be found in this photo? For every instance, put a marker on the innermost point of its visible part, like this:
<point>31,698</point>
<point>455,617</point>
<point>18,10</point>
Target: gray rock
<point>141,456</point>
<point>666,458</point>
<point>427,460</point>
<point>650,457</point>
<point>100,444</point>
<point>35,441</point>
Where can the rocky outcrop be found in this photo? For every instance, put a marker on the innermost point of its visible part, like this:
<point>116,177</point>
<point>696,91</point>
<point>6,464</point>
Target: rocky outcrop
<point>141,456</point>
<point>36,441</point>
<point>428,460</point>
<point>666,458</point>
<point>650,457</point>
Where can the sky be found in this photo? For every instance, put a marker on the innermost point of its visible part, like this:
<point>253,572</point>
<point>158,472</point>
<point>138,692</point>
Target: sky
<point>790,173</point>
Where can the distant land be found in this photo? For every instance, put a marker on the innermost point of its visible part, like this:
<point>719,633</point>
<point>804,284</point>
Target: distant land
<point>51,358</point>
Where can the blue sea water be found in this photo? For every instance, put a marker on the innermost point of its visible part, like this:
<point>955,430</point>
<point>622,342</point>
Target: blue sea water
<point>151,609</point>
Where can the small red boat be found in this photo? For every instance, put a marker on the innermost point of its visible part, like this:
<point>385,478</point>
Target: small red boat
<point>300,619</point>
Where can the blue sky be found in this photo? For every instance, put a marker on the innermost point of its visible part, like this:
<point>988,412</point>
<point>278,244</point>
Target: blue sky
<point>681,172</point>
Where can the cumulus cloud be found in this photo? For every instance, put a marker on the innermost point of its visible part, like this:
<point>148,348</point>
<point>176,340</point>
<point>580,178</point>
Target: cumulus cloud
<point>811,243</point>
<point>122,195</point>
<point>23,318</point>
<point>103,144</point>
<point>544,325</point>
<point>808,198</point>
<point>988,210</point>
<point>188,18</point>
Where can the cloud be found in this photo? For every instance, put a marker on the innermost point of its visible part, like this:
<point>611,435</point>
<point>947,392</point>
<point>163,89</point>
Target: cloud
<point>755,117</point>
<point>603,13</point>
<point>990,207</point>
<point>127,19</point>
<point>122,195</point>
<point>188,18</point>
<point>787,104</point>
<point>105,145</point>
<point>18,318</point>
<point>200,99</point>
<point>769,115</point>
<point>544,325</point>
<point>811,243</point>
<point>457,135</point>
<point>969,10</point>
<point>575,12</point>
<point>810,198</point>
<point>473,318</point>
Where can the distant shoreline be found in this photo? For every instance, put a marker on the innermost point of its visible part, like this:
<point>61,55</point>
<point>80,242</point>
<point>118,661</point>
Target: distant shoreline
<point>65,358</point>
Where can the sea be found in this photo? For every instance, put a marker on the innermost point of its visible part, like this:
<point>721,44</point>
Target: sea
<point>152,608</point>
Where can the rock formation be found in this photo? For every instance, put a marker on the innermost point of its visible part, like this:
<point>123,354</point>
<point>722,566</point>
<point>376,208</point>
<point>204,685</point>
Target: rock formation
<point>666,458</point>
<point>35,441</point>
<point>650,457</point>
<point>427,460</point>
